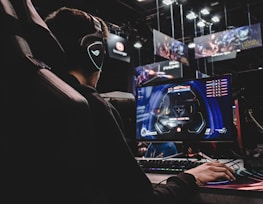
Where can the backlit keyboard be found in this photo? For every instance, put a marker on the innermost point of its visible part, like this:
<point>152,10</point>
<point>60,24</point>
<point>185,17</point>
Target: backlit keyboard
<point>167,166</point>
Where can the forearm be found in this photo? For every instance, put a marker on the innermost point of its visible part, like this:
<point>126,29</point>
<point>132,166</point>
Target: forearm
<point>178,188</point>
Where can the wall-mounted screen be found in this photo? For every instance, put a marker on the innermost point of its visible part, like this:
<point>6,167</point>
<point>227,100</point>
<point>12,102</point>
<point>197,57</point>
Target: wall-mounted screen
<point>225,42</point>
<point>156,72</point>
<point>169,48</point>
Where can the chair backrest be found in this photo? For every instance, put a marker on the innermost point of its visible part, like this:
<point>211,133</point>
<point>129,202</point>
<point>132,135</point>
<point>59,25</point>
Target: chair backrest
<point>47,126</point>
<point>38,35</point>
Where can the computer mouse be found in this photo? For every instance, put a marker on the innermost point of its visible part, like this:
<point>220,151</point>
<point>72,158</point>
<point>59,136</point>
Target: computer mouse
<point>219,181</point>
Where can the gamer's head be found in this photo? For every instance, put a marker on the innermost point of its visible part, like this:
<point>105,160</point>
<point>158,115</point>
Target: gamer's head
<point>82,36</point>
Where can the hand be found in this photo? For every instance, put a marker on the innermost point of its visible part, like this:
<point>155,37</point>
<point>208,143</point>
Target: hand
<point>210,171</point>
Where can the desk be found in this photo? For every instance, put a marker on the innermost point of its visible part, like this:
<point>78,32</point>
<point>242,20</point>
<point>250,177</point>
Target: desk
<point>219,194</point>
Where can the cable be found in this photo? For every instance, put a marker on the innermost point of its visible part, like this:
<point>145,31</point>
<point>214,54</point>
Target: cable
<point>236,154</point>
<point>206,157</point>
<point>234,164</point>
<point>250,112</point>
<point>173,155</point>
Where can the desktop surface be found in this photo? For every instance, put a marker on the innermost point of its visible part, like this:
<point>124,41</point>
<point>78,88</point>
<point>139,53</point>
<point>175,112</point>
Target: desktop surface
<point>247,188</point>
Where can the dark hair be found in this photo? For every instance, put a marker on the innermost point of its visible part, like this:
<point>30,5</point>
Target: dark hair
<point>69,25</point>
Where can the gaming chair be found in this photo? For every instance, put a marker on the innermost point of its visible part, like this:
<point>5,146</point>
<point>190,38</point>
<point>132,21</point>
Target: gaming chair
<point>42,42</point>
<point>47,126</point>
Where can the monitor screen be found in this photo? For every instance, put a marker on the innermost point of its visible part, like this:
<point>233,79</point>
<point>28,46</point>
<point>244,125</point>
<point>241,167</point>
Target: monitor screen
<point>185,110</point>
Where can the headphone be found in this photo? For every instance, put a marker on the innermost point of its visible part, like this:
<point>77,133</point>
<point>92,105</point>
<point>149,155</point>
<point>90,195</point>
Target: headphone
<point>92,48</point>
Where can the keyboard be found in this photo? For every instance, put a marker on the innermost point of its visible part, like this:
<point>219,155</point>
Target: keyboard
<point>167,166</point>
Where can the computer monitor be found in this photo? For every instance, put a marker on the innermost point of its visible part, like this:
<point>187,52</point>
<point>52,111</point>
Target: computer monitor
<point>186,111</point>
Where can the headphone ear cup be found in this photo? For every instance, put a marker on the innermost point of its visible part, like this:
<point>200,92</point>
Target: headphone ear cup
<point>92,53</point>
<point>92,47</point>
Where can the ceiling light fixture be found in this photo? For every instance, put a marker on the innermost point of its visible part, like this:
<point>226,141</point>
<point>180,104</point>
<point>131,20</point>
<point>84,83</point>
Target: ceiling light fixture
<point>191,15</point>
<point>215,19</point>
<point>191,45</point>
<point>205,11</point>
<point>201,24</point>
<point>137,45</point>
<point>168,2</point>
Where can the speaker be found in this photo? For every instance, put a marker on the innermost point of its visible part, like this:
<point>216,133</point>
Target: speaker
<point>92,48</point>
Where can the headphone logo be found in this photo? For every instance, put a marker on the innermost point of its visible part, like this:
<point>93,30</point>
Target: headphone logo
<point>96,54</point>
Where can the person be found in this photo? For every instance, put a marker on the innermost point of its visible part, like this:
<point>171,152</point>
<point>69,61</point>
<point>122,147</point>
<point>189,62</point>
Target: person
<point>115,174</point>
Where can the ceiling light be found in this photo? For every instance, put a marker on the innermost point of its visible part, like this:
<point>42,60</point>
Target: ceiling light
<point>205,11</point>
<point>191,45</point>
<point>168,2</point>
<point>215,19</point>
<point>191,15</point>
<point>137,45</point>
<point>201,24</point>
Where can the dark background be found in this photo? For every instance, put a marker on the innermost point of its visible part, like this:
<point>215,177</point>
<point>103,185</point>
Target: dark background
<point>136,20</point>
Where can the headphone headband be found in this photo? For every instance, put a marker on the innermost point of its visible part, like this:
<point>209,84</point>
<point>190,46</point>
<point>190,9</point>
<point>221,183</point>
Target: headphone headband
<point>96,23</point>
<point>92,47</point>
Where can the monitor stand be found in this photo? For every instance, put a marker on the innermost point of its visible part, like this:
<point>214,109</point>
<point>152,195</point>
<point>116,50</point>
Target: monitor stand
<point>189,152</point>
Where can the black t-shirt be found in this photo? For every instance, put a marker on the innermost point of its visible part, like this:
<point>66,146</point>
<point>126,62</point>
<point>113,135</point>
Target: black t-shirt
<point>116,173</point>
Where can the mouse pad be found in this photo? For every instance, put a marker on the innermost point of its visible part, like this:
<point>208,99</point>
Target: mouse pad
<point>245,180</point>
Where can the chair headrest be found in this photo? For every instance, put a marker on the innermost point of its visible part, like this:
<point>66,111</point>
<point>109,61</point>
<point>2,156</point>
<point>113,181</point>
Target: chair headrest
<point>41,40</point>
